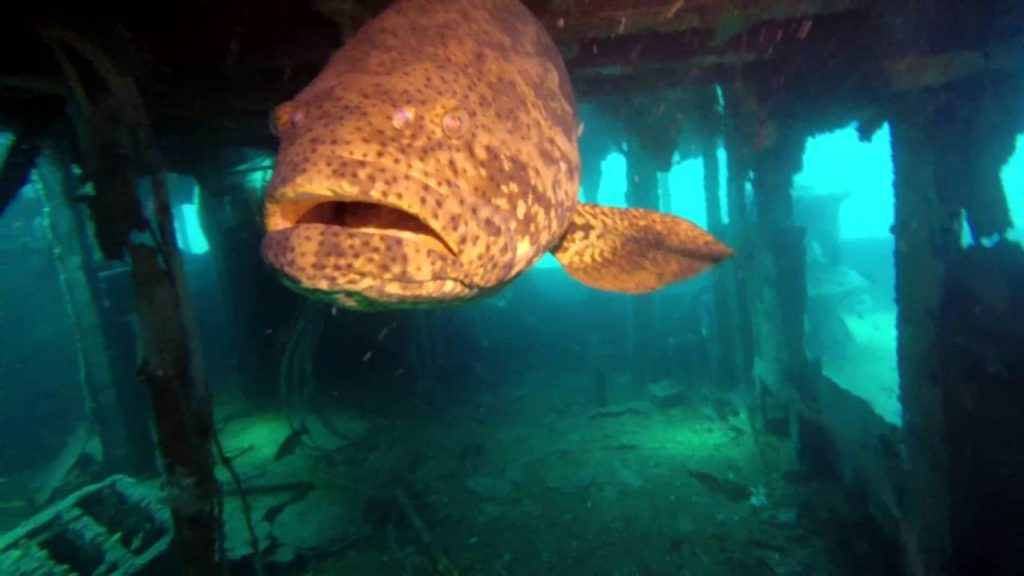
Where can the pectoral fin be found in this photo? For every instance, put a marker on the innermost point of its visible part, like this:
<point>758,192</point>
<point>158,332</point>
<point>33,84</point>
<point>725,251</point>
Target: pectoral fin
<point>634,250</point>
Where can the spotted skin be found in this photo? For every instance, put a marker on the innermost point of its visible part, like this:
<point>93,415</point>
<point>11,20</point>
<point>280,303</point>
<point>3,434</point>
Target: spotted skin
<point>431,161</point>
<point>635,251</point>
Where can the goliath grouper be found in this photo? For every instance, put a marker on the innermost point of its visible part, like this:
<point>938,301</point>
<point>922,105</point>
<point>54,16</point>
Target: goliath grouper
<point>435,158</point>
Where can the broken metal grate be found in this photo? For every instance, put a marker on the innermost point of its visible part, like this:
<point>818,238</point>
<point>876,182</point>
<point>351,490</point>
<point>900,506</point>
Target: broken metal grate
<point>114,528</point>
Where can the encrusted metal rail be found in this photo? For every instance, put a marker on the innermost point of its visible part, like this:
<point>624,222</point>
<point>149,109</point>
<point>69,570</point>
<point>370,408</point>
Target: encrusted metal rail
<point>115,528</point>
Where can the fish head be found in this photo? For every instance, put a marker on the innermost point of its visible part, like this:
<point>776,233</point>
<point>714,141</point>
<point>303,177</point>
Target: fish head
<point>374,199</point>
<point>431,160</point>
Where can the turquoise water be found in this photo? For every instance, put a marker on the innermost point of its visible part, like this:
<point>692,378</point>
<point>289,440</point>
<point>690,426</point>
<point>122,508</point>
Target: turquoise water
<point>737,423</point>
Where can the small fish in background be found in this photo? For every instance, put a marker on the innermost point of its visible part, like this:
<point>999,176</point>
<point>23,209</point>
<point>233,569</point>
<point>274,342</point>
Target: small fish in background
<point>435,158</point>
<point>729,489</point>
<point>291,443</point>
<point>385,331</point>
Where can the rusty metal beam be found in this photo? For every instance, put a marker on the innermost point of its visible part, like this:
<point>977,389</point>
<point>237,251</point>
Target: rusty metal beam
<point>687,58</point>
<point>918,71</point>
<point>901,72</point>
<point>612,48</point>
<point>761,41</point>
<point>573,20</point>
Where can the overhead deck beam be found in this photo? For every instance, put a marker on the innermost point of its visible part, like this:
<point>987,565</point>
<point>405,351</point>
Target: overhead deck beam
<point>571,20</point>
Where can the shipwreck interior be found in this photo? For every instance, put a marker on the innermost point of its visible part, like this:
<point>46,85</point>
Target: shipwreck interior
<point>843,396</point>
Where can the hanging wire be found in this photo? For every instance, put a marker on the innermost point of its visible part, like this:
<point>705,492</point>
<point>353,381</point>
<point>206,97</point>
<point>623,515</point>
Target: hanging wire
<point>297,380</point>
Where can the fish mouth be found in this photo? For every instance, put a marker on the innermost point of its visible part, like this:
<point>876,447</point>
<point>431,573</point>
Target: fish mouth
<point>373,218</point>
<point>336,223</point>
<point>359,252</point>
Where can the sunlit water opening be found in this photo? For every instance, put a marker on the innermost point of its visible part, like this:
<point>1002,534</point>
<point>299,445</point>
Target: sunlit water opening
<point>188,226</point>
<point>851,311</point>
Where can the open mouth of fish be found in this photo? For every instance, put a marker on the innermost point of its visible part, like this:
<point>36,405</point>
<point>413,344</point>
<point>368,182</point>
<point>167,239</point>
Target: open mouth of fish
<point>331,244</point>
<point>368,217</point>
<point>369,225</point>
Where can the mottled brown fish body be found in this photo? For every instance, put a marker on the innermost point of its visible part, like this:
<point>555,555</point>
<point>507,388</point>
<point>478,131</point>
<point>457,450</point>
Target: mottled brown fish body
<point>434,158</point>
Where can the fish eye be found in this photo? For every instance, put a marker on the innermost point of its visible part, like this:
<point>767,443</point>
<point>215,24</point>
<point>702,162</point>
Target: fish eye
<point>403,117</point>
<point>275,121</point>
<point>455,124</point>
<point>286,116</point>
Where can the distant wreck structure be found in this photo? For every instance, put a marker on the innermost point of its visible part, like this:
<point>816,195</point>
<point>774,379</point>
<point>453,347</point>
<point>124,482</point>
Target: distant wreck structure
<point>103,106</point>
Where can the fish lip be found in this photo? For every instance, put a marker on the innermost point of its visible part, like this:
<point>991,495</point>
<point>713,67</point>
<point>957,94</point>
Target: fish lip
<point>278,235</point>
<point>312,200</point>
<point>286,192</point>
<point>278,249</point>
<point>296,200</point>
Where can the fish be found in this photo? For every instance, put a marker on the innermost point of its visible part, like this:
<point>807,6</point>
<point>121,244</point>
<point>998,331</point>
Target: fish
<point>728,489</point>
<point>435,158</point>
<point>291,443</point>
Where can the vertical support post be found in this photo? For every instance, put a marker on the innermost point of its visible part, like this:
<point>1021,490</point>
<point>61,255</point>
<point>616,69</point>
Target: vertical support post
<point>726,335</point>
<point>779,300</point>
<point>927,230</point>
<point>977,350</point>
<point>737,176</point>
<point>592,154</point>
<point>73,262</point>
<point>641,192</point>
<point>114,134</point>
<point>231,214</point>
<point>651,131</point>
